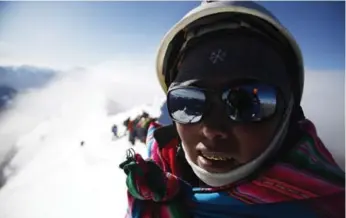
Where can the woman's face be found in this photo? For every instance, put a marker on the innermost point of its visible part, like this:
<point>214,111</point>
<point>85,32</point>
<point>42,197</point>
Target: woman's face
<point>215,143</point>
<point>218,145</point>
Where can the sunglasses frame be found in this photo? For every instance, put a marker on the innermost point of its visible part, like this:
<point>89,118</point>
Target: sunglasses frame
<point>220,93</point>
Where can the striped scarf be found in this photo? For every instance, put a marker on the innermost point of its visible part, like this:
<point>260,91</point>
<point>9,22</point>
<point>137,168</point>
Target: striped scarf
<point>306,183</point>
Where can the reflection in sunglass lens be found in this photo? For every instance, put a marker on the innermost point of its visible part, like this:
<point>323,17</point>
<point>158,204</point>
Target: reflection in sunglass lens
<point>251,103</point>
<point>186,105</point>
<point>246,103</point>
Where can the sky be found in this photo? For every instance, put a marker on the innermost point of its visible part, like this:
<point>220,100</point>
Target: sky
<point>83,34</point>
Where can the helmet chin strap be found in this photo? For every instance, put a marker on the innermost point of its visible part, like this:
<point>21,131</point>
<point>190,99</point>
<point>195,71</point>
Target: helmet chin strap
<point>222,179</point>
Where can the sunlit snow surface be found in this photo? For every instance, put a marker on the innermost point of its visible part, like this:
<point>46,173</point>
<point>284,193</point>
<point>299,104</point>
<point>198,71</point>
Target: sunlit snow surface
<point>51,174</point>
<point>68,180</point>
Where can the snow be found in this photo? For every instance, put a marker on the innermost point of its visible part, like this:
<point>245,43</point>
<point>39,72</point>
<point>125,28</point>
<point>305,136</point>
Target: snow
<point>51,174</point>
<point>69,181</point>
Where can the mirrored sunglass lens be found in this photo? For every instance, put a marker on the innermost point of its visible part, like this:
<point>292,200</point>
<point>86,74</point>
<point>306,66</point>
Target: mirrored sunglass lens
<point>186,105</point>
<point>251,103</point>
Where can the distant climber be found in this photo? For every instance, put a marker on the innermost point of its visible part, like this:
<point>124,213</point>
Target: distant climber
<point>115,131</point>
<point>138,127</point>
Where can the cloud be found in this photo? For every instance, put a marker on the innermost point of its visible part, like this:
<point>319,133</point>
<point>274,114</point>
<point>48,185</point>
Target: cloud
<point>134,77</point>
<point>4,46</point>
<point>77,98</point>
<point>324,103</point>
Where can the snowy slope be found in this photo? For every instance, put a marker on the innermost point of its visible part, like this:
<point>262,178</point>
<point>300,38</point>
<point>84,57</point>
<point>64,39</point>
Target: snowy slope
<point>69,181</point>
<point>49,174</point>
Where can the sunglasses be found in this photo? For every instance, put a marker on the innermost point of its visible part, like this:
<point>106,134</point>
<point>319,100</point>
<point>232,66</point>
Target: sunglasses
<point>243,103</point>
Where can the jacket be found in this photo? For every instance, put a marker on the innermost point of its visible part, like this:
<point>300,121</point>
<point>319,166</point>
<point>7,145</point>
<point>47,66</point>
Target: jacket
<point>303,181</point>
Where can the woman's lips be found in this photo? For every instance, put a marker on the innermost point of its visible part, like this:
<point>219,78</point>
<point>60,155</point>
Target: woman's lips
<point>215,155</point>
<point>215,162</point>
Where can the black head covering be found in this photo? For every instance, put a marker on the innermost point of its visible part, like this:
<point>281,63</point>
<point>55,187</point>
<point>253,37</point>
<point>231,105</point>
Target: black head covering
<point>239,55</point>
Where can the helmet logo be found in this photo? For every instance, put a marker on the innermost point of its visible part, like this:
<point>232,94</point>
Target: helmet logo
<point>217,56</point>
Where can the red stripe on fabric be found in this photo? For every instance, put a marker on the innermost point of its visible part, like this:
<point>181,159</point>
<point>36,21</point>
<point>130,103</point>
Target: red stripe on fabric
<point>172,186</point>
<point>130,200</point>
<point>303,148</point>
<point>301,180</point>
<point>292,192</point>
<point>169,153</point>
<point>262,193</point>
<point>323,151</point>
<point>155,151</point>
<point>310,128</point>
<point>165,212</point>
<point>142,188</point>
<point>156,156</point>
<point>247,199</point>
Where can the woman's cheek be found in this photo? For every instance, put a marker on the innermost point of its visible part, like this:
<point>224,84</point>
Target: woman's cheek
<point>189,134</point>
<point>252,141</point>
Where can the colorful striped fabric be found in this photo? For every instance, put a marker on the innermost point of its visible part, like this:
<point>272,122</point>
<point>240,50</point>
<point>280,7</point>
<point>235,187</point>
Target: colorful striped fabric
<point>305,183</point>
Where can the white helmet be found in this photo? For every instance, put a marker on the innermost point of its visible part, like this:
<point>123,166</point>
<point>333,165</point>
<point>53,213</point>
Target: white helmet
<point>210,12</point>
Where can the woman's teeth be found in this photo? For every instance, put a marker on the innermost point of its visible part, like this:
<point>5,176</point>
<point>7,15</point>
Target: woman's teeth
<point>218,158</point>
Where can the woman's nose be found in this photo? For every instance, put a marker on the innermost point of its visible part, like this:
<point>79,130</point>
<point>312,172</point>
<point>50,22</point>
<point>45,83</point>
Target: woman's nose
<point>212,133</point>
<point>216,123</point>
